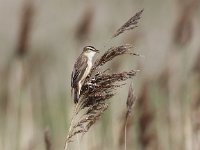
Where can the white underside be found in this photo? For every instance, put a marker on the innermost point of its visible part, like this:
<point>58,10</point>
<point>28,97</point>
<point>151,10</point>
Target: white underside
<point>90,56</point>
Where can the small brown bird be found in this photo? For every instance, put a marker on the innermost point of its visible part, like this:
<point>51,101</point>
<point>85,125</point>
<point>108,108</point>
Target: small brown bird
<point>82,68</point>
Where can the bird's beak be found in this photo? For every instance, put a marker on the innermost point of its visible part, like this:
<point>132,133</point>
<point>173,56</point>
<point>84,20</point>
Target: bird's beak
<point>97,51</point>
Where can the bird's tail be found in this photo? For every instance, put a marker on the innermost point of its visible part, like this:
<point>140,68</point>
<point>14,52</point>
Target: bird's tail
<point>72,90</point>
<point>76,95</point>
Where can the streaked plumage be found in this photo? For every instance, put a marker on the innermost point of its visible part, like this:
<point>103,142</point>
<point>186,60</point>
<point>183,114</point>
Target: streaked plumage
<point>82,68</point>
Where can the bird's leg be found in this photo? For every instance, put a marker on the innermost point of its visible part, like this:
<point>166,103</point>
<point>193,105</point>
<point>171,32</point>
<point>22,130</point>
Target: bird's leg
<point>91,85</point>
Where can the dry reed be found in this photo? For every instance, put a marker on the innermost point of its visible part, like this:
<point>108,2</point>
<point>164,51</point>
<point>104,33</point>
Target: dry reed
<point>17,68</point>
<point>184,27</point>
<point>196,66</point>
<point>147,135</point>
<point>196,121</point>
<point>196,105</point>
<point>131,99</point>
<point>47,139</point>
<point>130,24</point>
<point>98,88</point>
<point>84,26</point>
<point>25,30</point>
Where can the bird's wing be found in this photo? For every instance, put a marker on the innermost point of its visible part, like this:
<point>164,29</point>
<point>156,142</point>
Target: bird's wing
<point>78,71</point>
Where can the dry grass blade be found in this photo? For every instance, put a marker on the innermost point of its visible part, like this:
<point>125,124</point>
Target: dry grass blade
<point>96,91</point>
<point>130,24</point>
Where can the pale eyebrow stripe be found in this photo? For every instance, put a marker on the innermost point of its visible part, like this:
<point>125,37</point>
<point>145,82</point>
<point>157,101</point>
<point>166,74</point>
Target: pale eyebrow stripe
<point>91,48</point>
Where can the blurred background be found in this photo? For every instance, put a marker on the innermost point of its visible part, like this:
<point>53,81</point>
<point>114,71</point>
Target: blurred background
<point>39,43</point>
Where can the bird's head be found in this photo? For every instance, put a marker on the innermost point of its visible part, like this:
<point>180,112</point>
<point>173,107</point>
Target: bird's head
<point>90,49</point>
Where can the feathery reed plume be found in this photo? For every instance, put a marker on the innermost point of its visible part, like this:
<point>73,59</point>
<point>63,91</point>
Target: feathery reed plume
<point>196,105</point>
<point>98,88</point>
<point>130,24</point>
<point>196,120</point>
<point>131,99</point>
<point>184,27</point>
<point>196,66</point>
<point>147,137</point>
<point>16,80</point>
<point>84,26</point>
<point>163,79</point>
<point>112,53</point>
<point>47,139</point>
<point>25,29</point>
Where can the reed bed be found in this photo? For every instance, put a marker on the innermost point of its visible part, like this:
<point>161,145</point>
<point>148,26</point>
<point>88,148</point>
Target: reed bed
<point>39,42</point>
<point>99,86</point>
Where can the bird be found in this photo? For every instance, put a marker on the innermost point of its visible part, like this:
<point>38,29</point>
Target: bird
<point>82,68</point>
